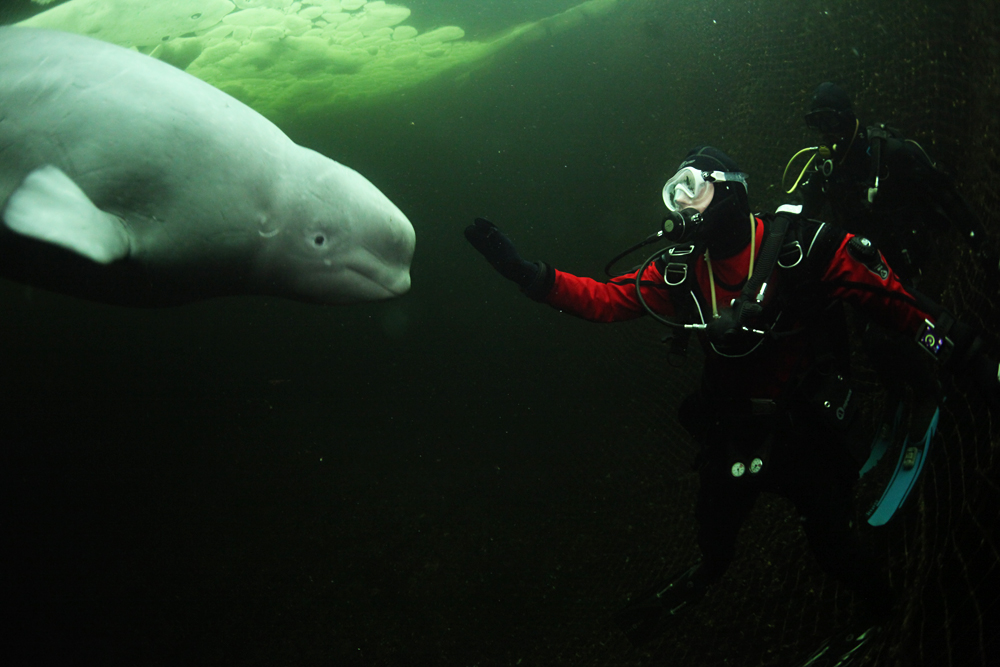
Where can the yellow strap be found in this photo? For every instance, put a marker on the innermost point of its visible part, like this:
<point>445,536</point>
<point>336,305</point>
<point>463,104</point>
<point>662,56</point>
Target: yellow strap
<point>711,282</point>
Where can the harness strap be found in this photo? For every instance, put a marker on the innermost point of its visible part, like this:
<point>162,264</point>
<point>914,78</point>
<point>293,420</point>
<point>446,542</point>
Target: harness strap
<point>748,304</point>
<point>877,135</point>
<point>676,275</point>
<point>769,251</point>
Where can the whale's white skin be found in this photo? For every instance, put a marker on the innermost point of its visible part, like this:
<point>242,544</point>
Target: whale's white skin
<point>126,180</point>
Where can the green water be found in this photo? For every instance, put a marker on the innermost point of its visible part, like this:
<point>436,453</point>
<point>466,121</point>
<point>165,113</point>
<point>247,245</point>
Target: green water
<point>460,476</point>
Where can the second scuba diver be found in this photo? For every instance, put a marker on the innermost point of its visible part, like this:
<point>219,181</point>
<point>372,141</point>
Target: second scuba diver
<point>764,294</point>
<point>877,183</point>
<point>889,189</point>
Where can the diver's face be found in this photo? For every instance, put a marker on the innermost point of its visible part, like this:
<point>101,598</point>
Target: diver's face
<point>724,223</point>
<point>688,188</point>
<point>834,126</point>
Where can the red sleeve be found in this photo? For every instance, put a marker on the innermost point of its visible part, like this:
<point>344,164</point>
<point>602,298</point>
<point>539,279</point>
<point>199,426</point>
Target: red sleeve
<point>884,299</point>
<point>613,301</point>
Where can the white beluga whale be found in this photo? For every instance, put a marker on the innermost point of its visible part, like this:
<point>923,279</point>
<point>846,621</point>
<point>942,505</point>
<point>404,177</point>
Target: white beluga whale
<point>126,180</point>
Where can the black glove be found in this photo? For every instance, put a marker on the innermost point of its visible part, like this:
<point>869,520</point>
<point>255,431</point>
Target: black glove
<point>500,252</point>
<point>986,374</point>
<point>970,361</point>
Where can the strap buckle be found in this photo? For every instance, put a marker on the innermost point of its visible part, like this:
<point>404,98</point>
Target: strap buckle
<point>680,250</point>
<point>784,259</point>
<point>675,273</point>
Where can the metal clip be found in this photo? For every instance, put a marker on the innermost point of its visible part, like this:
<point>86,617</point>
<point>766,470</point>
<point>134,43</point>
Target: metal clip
<point>680,250</point>
<point>760,295</point>
<point>672,270</point>
<point>792,247</point>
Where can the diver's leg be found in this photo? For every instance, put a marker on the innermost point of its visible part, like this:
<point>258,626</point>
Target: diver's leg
<point>723,504</point>
<point>824,499</point>
<point>902,365</point>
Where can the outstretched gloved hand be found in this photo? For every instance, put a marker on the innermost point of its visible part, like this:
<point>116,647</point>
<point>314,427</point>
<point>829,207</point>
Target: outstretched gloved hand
<point>500,252</point>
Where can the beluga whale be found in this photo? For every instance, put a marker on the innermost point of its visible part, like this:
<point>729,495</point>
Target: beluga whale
<point>125,180</point>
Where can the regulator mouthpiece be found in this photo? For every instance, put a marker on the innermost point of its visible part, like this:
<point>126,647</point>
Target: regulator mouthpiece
<point>679,225</point>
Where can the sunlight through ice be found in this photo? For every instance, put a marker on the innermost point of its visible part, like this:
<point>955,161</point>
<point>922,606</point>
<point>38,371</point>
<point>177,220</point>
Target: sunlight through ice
<point>287,58</point>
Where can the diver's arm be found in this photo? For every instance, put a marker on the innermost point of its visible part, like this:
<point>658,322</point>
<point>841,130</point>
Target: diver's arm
<point>857,273</point>
<point>863,279</point>
<point>954,207</point>
<point>534,278</point>
<point>937,189</point>
<point>948,202</point>
<point>613,301</point>
<point>592,300</point>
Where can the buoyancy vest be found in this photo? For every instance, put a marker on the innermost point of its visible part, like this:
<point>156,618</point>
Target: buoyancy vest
<point>795,303</point>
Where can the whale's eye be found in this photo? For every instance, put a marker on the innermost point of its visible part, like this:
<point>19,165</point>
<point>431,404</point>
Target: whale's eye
<point>196,16</point>
<point>319,240</point>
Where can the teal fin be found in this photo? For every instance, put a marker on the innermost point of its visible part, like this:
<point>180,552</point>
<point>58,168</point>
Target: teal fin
<point>905,476</point>
<point>886,434</point>
<point>50,207</point>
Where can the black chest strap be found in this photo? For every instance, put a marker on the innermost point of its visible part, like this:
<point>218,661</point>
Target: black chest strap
<point>748,305</point>
<point>677,268</point>
<point>877,136</point>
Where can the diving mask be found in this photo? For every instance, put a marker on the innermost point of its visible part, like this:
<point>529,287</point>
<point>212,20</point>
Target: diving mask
<point>693,188</point>
<point>830,122</point>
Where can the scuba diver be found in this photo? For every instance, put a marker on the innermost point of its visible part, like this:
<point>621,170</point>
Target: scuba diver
<point>889,189</point>
<point>764,295</point>
<point>883,186</point>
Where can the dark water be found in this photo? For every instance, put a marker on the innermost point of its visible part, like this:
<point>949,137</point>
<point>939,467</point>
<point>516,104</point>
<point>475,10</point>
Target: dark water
<point>432,480</point>
<point>252,481</point>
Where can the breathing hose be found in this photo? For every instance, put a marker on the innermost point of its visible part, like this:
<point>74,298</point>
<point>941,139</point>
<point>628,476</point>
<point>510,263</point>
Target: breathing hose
<point>801,173</point>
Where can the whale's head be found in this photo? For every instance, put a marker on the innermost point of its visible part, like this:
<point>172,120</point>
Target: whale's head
<point>336,238</point>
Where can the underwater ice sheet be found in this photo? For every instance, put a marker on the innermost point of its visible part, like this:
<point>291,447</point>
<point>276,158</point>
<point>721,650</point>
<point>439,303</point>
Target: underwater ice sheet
<point>284,57</point>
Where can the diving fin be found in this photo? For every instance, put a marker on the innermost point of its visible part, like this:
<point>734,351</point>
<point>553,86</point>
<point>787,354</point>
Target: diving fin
<point>650,613</point>
<point>883,438</point>
<point>50,207</point>
<point>908,468</point>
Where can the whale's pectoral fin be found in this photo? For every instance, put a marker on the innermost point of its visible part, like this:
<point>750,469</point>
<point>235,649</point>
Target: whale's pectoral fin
<point>50,207</point>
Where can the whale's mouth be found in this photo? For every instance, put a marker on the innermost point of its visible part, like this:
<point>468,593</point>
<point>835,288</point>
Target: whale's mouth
<point>360,276</point>
<point>374,275</point>
<point>372,285</point>
<point>379,266</point>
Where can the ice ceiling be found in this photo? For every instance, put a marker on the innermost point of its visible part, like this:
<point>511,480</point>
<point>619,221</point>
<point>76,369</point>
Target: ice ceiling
<point>286,57</point>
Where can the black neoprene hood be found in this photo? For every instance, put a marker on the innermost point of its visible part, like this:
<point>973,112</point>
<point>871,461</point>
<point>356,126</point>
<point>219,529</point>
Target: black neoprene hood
<point>830,96</point>
<point>708,158</point>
